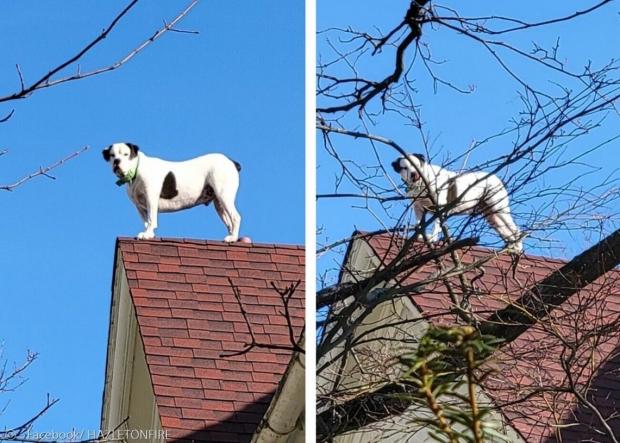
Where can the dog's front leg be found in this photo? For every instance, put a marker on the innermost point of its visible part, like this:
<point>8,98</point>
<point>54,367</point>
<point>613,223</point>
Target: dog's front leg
<point>150,223</point>
<point>420,215</point>
<point>436,231</point>
<point>143,215</point>
<point>420,222</point>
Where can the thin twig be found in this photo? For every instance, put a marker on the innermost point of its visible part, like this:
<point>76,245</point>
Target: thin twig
<point>285,295</point>
<point>43,171</point>
<point>8,116</point>
<point>47,80</point>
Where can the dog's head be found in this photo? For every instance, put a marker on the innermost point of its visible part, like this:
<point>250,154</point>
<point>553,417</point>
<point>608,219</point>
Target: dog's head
<point>408,167</point>
<point>123,157</point>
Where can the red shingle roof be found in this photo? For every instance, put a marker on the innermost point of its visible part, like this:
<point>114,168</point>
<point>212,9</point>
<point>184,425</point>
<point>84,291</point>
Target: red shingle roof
<point>587,321</point>
<point>188,317</point>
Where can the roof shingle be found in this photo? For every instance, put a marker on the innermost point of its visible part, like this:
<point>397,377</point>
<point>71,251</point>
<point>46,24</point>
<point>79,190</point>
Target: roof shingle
<point>188,318</point>
<point>586,322</point>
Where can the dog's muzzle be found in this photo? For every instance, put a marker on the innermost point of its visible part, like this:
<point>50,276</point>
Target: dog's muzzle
<point>415,189</point>
<point>414,176</point>
<point>415,186</point>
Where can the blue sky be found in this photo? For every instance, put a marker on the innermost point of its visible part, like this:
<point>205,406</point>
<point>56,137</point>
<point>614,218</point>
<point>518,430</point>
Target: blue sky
<point>454,120</point>
<point>235,88</point>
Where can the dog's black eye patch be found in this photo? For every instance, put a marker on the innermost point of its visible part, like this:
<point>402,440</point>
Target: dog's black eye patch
<point>133,149</point>
<point>169,188</point>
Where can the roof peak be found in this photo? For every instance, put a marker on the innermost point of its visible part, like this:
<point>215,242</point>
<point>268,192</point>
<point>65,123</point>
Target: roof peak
<point>206,242</point>
<point>368,235</point>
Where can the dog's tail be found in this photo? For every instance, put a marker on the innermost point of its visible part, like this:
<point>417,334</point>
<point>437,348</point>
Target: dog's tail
<point>237,165</point>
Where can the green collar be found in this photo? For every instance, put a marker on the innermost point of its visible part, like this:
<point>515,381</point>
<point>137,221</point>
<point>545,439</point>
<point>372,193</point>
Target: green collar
<point>415,189</point>
<point>130,176</point>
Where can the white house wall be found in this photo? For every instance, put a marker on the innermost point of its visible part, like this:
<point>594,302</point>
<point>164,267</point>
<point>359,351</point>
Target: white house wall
<point>129,400</point>
<point>368,362</point>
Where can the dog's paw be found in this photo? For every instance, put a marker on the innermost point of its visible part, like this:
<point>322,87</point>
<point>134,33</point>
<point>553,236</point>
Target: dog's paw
<point>514,248</point>
<point>429,240</point>
<point>146,235</point>
<point>230,239</point>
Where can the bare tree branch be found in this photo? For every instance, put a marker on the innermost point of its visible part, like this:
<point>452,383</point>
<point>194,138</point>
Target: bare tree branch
<point>48,80</point>
<point>285,295</point>
<point>413,20</point>
<point>43,171</point>
<point>538,301</point>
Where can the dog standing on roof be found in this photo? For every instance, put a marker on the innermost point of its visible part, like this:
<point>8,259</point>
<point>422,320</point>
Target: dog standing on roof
<point>156,185</point>
<point>458,193</point>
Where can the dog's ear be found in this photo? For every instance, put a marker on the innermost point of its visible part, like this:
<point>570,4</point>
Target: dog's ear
<point>396,164</point>
<point>134,149</point>
<point>106,153</point>
<point>420,157</point>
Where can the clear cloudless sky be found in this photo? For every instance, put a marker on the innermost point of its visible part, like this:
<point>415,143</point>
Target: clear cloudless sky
<point>454,120</point>
<point>237,87</point>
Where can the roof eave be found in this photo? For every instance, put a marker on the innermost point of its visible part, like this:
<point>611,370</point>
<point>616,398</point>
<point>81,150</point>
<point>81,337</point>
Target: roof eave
<point>285,410</point>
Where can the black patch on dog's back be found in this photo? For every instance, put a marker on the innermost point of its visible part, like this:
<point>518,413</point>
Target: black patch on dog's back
<point>169,188</point>
<point>237,165</point>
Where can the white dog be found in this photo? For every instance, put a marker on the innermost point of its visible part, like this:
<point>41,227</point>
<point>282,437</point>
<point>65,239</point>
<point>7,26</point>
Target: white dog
<point>156,185</point>
<point>458,193</point>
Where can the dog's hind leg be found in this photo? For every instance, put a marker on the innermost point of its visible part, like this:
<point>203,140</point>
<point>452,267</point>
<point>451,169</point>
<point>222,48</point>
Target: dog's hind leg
<point>225,182</point>
<point>507,229</point>
<point>219,208</point>
<point>225,207</point>
<point>234,218</point>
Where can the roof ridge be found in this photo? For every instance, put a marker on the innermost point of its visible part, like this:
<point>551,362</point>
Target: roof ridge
<point>206,242</point>
<point>367,235</point>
